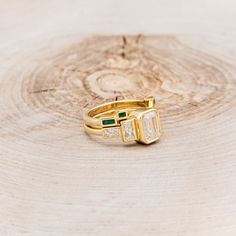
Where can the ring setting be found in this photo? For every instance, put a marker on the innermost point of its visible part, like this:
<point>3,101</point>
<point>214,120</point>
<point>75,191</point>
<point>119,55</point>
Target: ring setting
<point>129,120</point>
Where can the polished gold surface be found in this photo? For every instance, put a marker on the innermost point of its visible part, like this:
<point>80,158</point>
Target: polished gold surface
<point>132,120</point>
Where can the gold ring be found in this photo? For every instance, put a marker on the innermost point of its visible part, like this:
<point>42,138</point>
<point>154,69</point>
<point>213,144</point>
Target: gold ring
<point>131,120</point>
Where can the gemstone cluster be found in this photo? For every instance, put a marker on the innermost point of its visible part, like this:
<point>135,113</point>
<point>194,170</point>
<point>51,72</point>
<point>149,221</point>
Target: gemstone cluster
<point>142,126</point>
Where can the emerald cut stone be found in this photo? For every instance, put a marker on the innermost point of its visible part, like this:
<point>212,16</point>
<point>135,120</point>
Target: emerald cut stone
<point>151,127</point>
<point>122,114</point>
<point>108,122</point>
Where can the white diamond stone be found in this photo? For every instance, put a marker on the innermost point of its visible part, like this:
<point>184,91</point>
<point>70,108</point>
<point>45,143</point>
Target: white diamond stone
<point>128,130</point>
<point>150,126</point>
<point>112,132</point>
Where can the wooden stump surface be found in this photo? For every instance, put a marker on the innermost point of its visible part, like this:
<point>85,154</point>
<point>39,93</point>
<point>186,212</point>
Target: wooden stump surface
<point>58,59</point>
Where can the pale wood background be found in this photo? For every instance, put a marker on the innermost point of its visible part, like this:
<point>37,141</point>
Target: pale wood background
<point>55,180</point>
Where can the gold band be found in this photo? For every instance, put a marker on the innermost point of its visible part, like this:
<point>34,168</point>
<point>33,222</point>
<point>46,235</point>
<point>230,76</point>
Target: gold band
<point>132,120</point>
<point>89,117</point>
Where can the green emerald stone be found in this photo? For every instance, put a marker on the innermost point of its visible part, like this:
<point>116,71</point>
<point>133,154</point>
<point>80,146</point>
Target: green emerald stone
<point>122,114</point>
<point>108,122</point>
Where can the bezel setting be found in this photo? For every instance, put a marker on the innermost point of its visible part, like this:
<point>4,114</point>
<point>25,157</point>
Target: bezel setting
<point>128,130</point>
<point>109,121</point>
<point>141,125</point>
<point>148,123</point>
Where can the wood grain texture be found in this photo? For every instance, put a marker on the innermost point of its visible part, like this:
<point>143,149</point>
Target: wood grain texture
<point>57,59</point>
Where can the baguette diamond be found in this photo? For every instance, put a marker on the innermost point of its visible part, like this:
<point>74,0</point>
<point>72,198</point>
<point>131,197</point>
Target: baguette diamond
<point>112,132</point>
<point>128,131</point>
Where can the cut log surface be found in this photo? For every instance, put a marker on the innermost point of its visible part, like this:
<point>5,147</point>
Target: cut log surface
<point>57,59</point>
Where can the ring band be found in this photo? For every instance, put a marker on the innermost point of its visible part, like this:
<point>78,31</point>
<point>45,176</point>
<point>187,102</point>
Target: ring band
<point>132,120</point>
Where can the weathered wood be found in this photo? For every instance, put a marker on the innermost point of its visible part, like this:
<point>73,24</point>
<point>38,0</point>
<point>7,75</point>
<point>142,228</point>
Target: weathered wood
<point>56,180</point>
